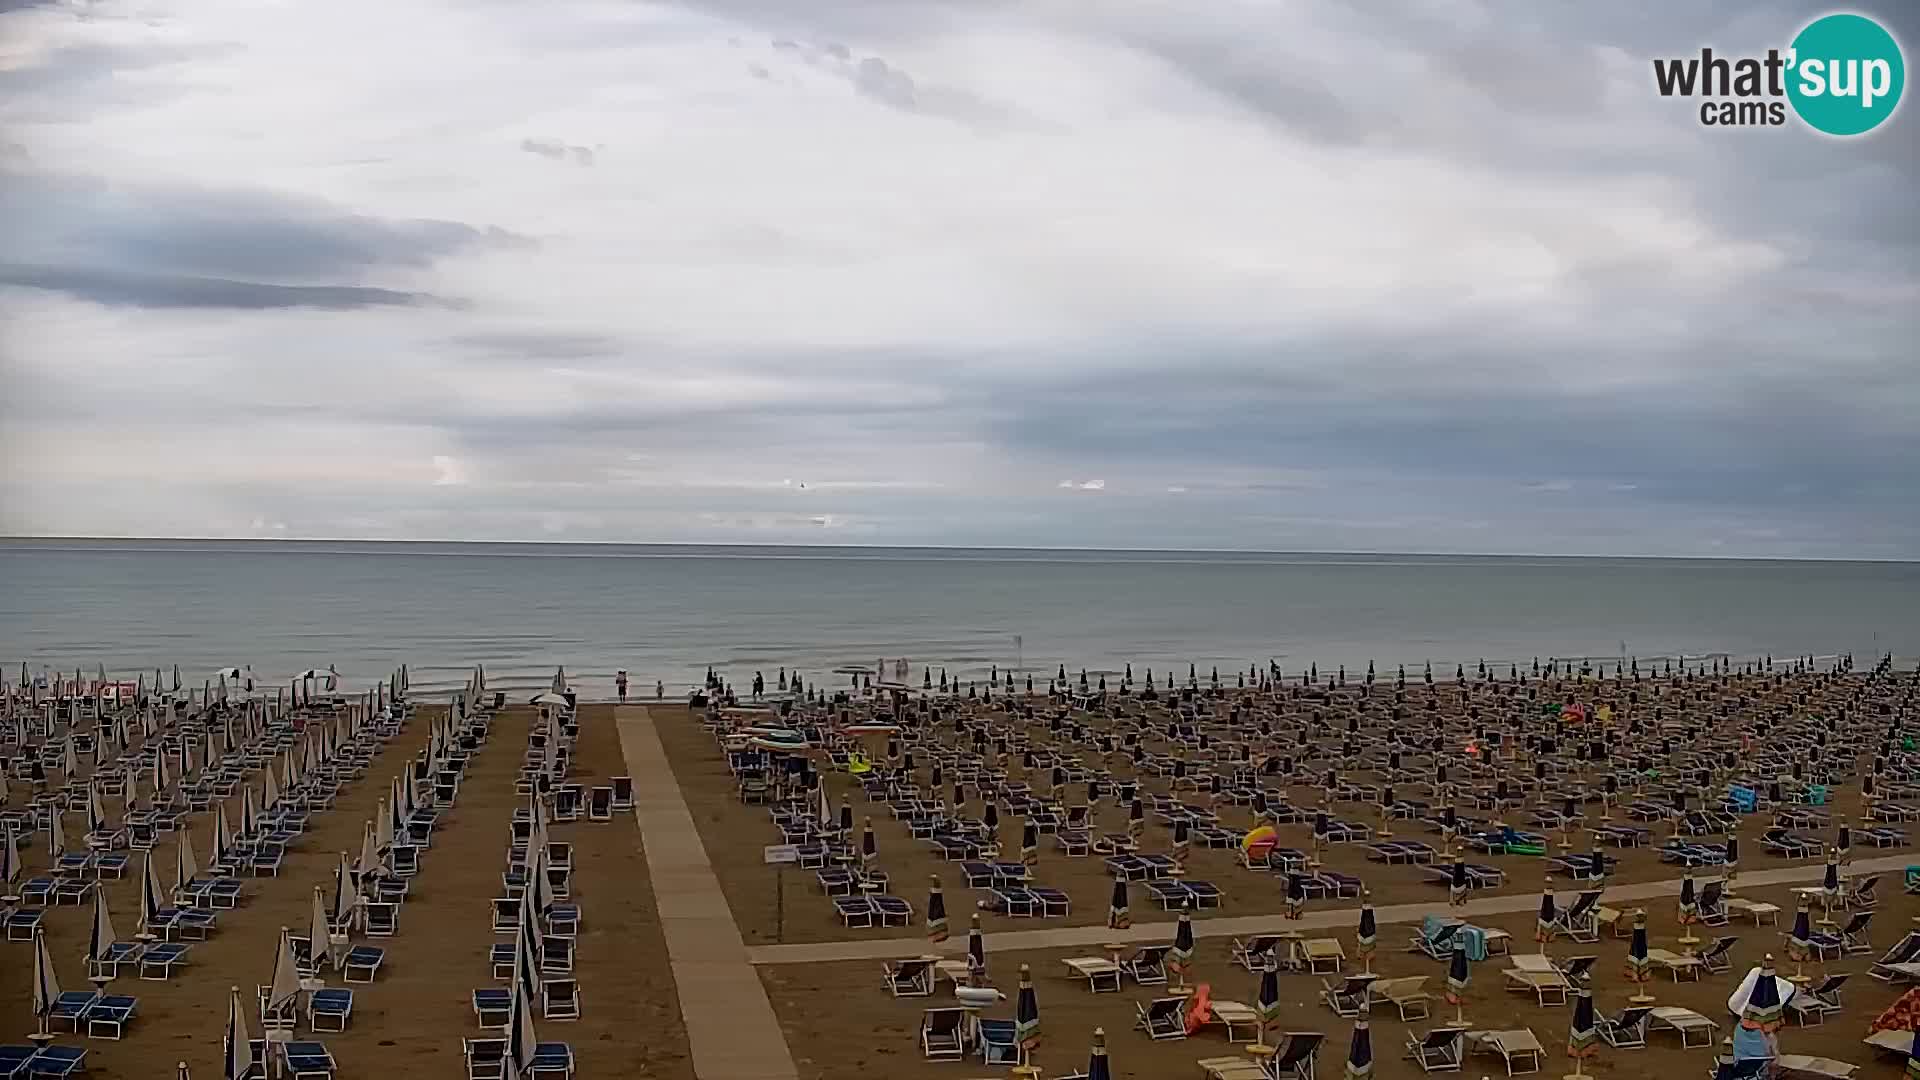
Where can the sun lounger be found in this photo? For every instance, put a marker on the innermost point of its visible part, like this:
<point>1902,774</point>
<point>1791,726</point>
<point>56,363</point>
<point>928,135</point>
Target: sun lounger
<point>362,963</point>
<point>560,999</point>
<point>486,1058</point>
<point>1548,987</point>
<point>1899,1043</point>
<point>492,1008</point>
<point>13,1061</point>
<point>70,1007</point>
<point>108,1016</point>
<point>1252,953</point>
<point>158,961</point>
<point>999,1041</point>
<point>1232,1068</point>
<point>58,1061</point>
<point>908,978</point>
<point>1235,1016</point>
<point>1148,965</point>
<point>1162,1018</point>
<point>1626,1031</point>
<point>1408,995</point>
<point>22,922</point>
<point>1519,1048</point>
<point>329,1009</point>
<point>1321,955</point>
<point>1806,1065</point>
<point>1441,1050</point>
<point>1901,963</point>
<point>1811,1005</point>
<point>944,1034</point>
<point>308,1060</point>
<point>1350,998</point>
<point>1295,1061</point>
<point>1678,965</point>
<point>1759,910</point>
<point>1100,973</point>
<point>1689,1024</point>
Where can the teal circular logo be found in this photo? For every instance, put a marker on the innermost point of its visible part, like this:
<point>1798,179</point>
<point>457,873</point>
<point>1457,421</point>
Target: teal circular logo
<point>1847,74</point>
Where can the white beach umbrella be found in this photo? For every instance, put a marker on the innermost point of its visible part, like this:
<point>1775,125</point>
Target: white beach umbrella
<point>56,834</point>
<point>103,938</point>
<point>9,860</point>
<point>318,930</point>
<point>270,796</point>
<point>150,894</point>
<point>286,974</point>
<point>249,817</point>
<point>96,810</point>
<point>344,893</point>
<point>369,863</point>
<point>161,781</point>
<point>237,1054</point>
<point>186,868</point>
<point>383,827</point>
<point>1737,1001</point>
<point>46,982</point>
<point>222,835</point>
<point>70,762</point>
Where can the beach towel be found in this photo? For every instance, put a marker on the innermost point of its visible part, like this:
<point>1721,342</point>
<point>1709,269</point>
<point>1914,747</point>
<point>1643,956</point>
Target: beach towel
<point>1199,1008</point>
<point>1476,940</point>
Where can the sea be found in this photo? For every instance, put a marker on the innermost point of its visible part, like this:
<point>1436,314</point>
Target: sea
<point>666,613</point>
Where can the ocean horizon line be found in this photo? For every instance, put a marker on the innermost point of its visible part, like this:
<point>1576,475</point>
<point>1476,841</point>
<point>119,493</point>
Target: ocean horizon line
<point>680,549</point>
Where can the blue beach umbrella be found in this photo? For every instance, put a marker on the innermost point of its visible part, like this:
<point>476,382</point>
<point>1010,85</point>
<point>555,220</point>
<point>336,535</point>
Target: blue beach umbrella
<point>1457,885</point>
<point>1764,1011</point>
<point>1117,915</point>
<point>1267,1002</point>
<point>1843,844</point>
<point>1689,900</point>
<point>1030,843</point>
<point>1182,841</point>
<point>1026,1014</point>
<point>1581,1032</point>
<point>1549,916</point>
<point>936,913</point>
<point>1363,941</point>
<point>1360,1053</point>
<point>976,952</point>
<point>1830,880</point>
<point>1296,895</point>
<point>1800,940</point>
<point>1458,976</point>
<point>1097,1067</point>
<point>1639,968</point>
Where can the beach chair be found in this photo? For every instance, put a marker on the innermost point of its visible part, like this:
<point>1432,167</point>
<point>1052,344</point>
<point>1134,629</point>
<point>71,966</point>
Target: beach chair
<point>362,963</point>
<point>159,960</point>
<point>486,1058</point>
<point>553,1060</point>
<point>13,1061</point>
<point>70,1007</point>
<point>1438,945</point>
<point>58,1061</point>
<point>563,920</point>
<point>1296,1059</point>
<point>1797,1065</point>
<point>1232,1068</point>
<point>1100,973</point>
<point>1252,953</point>
<point>307,1060</point>
<point>1444,1049</point>
<point>600,804</point>
<point>109,1015</point>
<point>998,1042</point>
<point>1350,998</point>
<point>1863,893</point>
<point>1689,1025</point>
<point>909,978</point>
<point>1407,995</point>
<point>622,792</point>
<point>1901,963</point>
<point>1234,1016</point>
<point>1519,1048</point>
<point>1577,919</point>
<point>383,918</point>
<point>1853,936</point>
<point>22,922</point>
<point>1548,987</point>
<point>1811,1005</point>
<point>943,1034</point>
<point>1625,1031</point>
<point>492,1008</point>
<point>1162,1018</point>
<point>1148,965</point>
<point>1742,1069</point>
<point>329,1009</point>
<point>1321,956</point>
<point>556,956</point>
<point>560,999</point>
<point>1718,959</point>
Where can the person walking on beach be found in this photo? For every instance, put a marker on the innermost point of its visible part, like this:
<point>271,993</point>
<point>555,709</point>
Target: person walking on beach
<point>659,690</point>
<point>620,684</point>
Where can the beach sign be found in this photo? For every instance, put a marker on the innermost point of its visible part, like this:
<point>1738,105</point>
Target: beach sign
<point>781,854</point>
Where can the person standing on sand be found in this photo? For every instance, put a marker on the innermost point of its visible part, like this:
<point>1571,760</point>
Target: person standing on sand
<point>659,690</point>
<point>620,684</point>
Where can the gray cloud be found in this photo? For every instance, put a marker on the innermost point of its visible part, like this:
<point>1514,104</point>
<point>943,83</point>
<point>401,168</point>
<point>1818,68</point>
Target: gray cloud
<point>126,288</point>
<point>558,150</point>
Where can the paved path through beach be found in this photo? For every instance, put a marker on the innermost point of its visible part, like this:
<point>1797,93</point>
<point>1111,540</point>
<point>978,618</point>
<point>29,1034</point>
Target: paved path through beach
<point>1324,918</point>
<point>731,1030</point>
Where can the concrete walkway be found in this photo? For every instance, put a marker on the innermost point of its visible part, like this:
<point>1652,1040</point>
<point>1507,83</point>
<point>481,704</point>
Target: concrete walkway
<point>732,1032</point>
<point>1344,918</point>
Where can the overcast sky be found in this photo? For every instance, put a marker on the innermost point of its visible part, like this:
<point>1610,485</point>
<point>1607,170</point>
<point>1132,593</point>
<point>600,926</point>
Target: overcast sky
<point>1443,275</point>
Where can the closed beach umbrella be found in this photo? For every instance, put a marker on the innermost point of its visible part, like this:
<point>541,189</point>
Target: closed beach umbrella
<point>1639,968</point>
<point>1180,957</point>
<point>1136,817</point>
<point>318,930</point>
<point>46,983</point>
<point>102,940</point>
<point>1764,1010</point>
<point>237,1053</point>
<point>1030,843</point>
<point>1360,1053</point>
<point>1182,842</point>
<point>991,818</point>
<point>1843,844</point>
<point>1733,853</point>
<point>1097,1067</point>
<point>1267,1002</point>
<point>1830,880</point>
<point>1800,940</point>
<point>1296,896</point>
<point>846,815</point>
<point>869,847</point>
<point>185,866</point>
<point>1581,1032</point>
<point>1458,975</point>
<point>344,894</point>
<point>1689,900</point>
<point>1026,1014</point>
<point>936,913</point>
<point>56,834</point>
<point>1457,884</point>
<point>976,952</point>
<point>1548,917</point>
<point>1117,915</point>
<point>149,893</point>
<point>286,975</point>
<point>1363,942</point>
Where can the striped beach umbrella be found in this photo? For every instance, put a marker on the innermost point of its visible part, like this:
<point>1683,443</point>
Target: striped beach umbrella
<point>1097,1067</point>
<point>46,982</point>
<point>1689,900</point>
<point>1360,1052</point>
<point>1364,939</point>
<point>1030,843</point>
<point>238,1061</point>
<point>1458,976</point>
<point>1764,1011</point>
<point>1582,1030</point>
<point>869,847</point>
<point>1026,1015</point>
<point>1180,957</point>
<point>1843,844</point>
<point>1733,855</point>
<point>1800,939</point>
<point>976,952</point>
<point>1296,896</point>
<point>1639,968</point>
<point>1549,916</point>
<point>846,816</point>
<point>1136,817</point>
<point>936,912</point>
<point>1117,916</point>
<point>1457,884</point>
<point>1830,879</point>
<point>1182,842</point>
<point>1267,1001</point>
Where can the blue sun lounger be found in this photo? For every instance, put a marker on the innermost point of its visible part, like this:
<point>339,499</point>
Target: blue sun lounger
<point>552,1059</point>
<point>108,1017</point>
<point>330,1009</point>
<point>493,1008</point>
<point>158,961</point>
<point>58,1061</point>
<point>362,963</point>
<point>70,1006</point>
<point>13,1061</point>
<point>22,922</point>
<point>308,1061</point>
